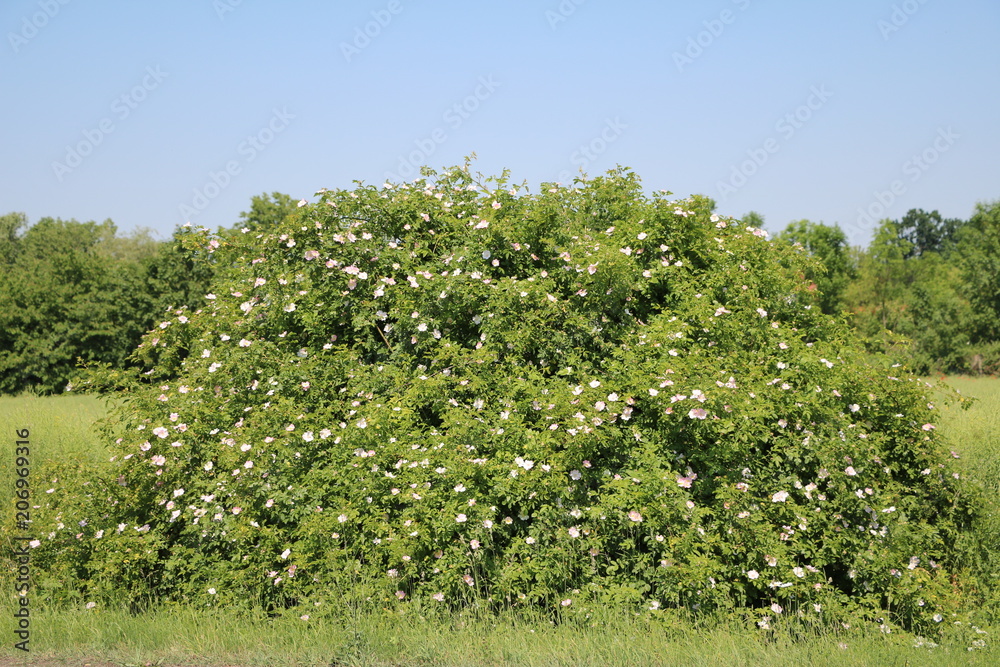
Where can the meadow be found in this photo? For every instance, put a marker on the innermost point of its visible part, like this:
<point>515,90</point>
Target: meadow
<point>62,428</point>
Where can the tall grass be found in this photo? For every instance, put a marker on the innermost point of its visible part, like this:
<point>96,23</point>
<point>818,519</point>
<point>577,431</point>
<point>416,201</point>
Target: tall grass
<point>201,637</point>
<point>61,426</point>
<point>62,430</point>
<point>975,432</point>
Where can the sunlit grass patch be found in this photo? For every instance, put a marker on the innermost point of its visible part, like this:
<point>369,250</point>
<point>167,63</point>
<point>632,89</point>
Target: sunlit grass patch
<point>188,636</point>
<point>61,429</point>
<point>975,432</point>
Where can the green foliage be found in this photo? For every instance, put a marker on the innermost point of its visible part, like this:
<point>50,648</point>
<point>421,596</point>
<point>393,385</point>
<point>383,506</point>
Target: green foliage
<point>266,212</point>
<point>828,245</point>
<point>753,219</point>
<point>178,275</point>
<point>980,265</point>
<point>133,248</point>
<point>64,298</point>
<point>455,390</point>
<point>11,226</point>
<point>928,232</point>
<point>73,293</point>
<point>911,304</point>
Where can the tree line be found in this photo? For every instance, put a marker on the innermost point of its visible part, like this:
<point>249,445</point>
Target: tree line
<point>79,293</point>
<point>926,291</point>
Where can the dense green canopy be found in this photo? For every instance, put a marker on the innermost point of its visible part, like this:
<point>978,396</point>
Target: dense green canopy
<point>456,389</point>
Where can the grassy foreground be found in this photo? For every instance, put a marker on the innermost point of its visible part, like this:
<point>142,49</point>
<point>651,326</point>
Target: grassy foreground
<point>190,637</point>
<point>61,429</point>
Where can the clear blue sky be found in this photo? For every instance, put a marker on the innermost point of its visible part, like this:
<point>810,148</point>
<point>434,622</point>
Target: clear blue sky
<point>793,109</point>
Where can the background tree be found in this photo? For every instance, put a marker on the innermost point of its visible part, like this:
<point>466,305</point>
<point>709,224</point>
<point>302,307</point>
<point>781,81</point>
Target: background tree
<point>177,275</point>
<point>266,211</point>
<point>927,232</point>
<point>911,304</point>
<point>753,219</point>
<point>11,226</point>
<point>73,293</point>
<point>81,293</point>
<point>882,276</point>
<point>828,245</point>
<point>979,262</point>
<point>136,246</point>
<point>65,297</point>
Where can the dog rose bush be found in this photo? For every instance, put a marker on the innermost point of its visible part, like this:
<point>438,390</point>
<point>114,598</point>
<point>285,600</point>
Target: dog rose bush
<point>455,390</point>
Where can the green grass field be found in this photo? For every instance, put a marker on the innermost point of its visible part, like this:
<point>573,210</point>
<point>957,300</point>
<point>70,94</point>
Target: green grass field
<point>975,434</point>
<point>62,429</point>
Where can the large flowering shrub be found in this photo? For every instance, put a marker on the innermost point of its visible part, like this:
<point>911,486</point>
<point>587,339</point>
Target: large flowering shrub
<point>453,390</point>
